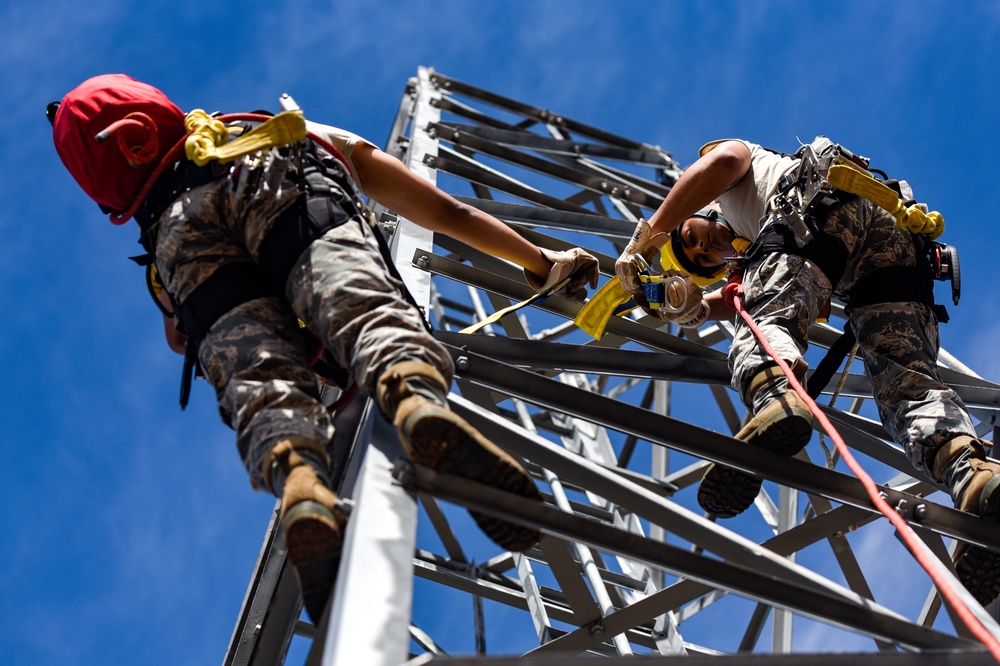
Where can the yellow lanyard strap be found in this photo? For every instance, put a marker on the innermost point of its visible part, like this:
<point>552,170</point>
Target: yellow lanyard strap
<point>909,217</point>
<point>496,316</point>
<point>594,316</point>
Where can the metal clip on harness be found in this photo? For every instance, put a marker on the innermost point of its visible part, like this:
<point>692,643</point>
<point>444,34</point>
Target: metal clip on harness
<point>808,184</point>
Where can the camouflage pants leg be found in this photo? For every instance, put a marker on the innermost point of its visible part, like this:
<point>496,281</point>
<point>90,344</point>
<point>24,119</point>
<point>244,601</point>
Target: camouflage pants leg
<point>783,293</point>
<point>342,289</point>
<point>256,358</point>
<point>899,342</point>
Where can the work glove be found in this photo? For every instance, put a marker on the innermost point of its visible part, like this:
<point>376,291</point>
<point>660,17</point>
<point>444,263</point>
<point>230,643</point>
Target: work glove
<point>685,304</point>
<point>628,266</point>
<point>575,265</point>
<point>684,294</point>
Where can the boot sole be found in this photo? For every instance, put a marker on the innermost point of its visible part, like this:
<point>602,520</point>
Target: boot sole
<point>978,568</point>
<point>313,539</point>
<point>726,492</point>
<point>443,442</point>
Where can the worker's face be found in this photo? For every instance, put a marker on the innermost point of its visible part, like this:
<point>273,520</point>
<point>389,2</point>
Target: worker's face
<point>706,242</point>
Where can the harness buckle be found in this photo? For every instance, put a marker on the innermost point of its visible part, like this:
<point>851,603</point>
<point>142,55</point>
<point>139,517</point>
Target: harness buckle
<point>655,287</point>
<point>808,185</point>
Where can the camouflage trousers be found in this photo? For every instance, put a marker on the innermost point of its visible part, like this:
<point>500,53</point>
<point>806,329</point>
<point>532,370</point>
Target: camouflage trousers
<point>785,293</point>
<point>256,356</point>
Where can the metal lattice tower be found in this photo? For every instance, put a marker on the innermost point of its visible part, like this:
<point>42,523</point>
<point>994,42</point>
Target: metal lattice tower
<point>617,433</point>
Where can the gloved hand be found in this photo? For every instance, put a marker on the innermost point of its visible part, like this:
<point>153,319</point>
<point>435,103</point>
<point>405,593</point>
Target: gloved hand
<point>686,297</point>
<point>628,267</point>
<point>576,264</point>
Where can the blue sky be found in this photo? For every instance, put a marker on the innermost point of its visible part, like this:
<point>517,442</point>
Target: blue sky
<point>131,529</point>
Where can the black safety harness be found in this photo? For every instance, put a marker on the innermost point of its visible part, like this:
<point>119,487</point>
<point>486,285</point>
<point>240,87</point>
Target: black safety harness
<point>885,285</point>
<point>319,209</point>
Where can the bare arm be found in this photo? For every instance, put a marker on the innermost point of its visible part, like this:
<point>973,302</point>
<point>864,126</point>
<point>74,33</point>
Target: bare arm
<point>701,184</point>
<point>387,180</point>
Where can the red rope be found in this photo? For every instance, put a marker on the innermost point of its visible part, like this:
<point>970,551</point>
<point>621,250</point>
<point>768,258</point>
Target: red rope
<point>734,283</point>
<point>168,160</point>
<point>913,543</point>
<point>135,154</point>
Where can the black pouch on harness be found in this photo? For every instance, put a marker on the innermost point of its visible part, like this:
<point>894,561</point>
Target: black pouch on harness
<point>892,284</point>
<point>320,209</point>
<point>231,285</point>
<point>227,288</point>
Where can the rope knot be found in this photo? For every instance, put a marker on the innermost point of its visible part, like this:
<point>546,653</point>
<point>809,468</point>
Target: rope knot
<point>206,135</point>
<point>734,289</point>
<point>918,221</point>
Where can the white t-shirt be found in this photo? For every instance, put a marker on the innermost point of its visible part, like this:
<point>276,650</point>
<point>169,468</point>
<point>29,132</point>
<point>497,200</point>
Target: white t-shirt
<point>745,203</point>
<point>343,140</point>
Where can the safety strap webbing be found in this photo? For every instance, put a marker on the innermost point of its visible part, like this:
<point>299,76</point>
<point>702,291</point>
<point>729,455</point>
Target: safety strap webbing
<point>893,284</point>
<point>910,217</point>
<point>594,316</point>
<point>496,316</point>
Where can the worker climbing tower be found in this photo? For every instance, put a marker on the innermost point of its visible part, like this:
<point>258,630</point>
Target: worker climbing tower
<point>617,433</point>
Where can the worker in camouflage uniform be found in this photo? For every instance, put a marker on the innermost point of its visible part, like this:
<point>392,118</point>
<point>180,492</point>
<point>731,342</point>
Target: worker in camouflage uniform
<point>248,248</point>
<point>854,249</point>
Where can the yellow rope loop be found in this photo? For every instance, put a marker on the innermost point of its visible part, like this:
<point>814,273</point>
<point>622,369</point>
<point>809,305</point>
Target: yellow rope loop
<point>919,222</point>
<point>938,221</point>
<point>208,140</point>
<point>206,134</point>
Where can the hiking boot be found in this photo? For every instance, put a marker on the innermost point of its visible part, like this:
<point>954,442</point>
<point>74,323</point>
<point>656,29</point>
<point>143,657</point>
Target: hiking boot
<point>311,524</point>
<point>437,438</point>
<point>961,463</point>
<point>783,426</point>
<point>441,440</point>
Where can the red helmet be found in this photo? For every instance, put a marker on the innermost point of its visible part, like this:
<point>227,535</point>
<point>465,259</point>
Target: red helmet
<point>111,132</point>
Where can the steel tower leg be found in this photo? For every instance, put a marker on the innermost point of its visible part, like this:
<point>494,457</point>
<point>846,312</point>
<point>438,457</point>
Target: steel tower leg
<point>618,433</point>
